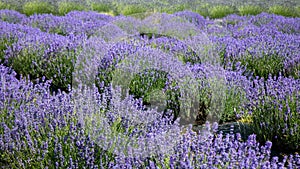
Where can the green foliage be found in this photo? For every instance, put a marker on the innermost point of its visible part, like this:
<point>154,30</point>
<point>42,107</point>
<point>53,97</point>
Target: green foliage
<point>27,63</point>
<point>149,84</point>
<point>132,9</point>
<point>53,137</point>
<point>264,66</point>
<point>297,11</point>
<point>172,9</point>
<point>220,11</point>
<point>37,7</point>
<point>101,7</point>
<point>278,122</point>
<point>202,10</point>
<point>66,7</point>
<point>60,70</point>
<point>293,71</point>
<point>4,6</point>
<point>282,10</point>
<point>3,46</point>
<point>250,10</point>
<point>235,97</point>
<point>58,67</point>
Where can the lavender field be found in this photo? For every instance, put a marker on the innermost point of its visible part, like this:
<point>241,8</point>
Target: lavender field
<point>150,90</point>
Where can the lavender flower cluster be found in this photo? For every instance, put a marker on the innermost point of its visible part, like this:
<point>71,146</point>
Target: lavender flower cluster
<point>189,70</point>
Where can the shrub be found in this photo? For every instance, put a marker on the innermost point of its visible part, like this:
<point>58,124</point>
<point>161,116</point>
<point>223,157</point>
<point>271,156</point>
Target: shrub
<point>275,112</point>
<point>220,11</point>
<point>101,7</point>
<point>264,66</point>
<point>172,9</point>
<point>250,10</point>
<point>12,33</point>
<point>37,7</point>
<point>176,47</point>
<point>150,84</point>
<point>43,54</point>
<point>4,6</point>
<point>297,11</point>
<point>168,25</point>
<point>132,9</point>
<point>203,10</point>
<point>282,10</point>
<point>66,7</point>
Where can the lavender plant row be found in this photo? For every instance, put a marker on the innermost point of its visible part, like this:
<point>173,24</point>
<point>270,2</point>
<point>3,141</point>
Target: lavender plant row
<point>40,130</point>
<point>127,90</point>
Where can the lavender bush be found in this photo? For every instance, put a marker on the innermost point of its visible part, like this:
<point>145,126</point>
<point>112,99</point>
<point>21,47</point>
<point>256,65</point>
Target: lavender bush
<point>43,54</point>
<point>275,111</point>
<point>11,16</point>
<point>12,33</point>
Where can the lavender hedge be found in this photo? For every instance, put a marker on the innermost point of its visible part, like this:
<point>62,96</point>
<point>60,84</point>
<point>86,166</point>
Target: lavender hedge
<point>123,100</point>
